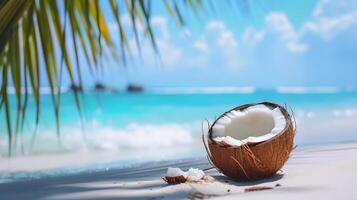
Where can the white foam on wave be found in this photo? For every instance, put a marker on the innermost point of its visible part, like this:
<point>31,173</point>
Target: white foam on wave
<point>96,136</point>
<point>347,112</point>
<point>138,136</point>
<point>306,90</point>
<point>328,126</point>
<point>98,144</point>
<point>204,90</point>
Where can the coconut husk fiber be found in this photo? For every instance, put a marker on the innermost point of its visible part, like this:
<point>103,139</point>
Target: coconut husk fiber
<point>253,161</point>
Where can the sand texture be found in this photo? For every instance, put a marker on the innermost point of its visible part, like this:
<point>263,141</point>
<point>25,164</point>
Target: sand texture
<point>312,172</point>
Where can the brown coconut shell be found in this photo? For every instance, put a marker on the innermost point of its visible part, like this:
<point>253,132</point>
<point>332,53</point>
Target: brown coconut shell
<point>253,161</point>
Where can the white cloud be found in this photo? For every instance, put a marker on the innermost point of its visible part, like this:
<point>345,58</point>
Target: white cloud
<point>319,8</point>
<point>127,23</point>
<point>252,37</point>
<point>170,54</point>
<point>297,47</point>
<point>279,23</point>
<point>328,27</point>
<point>185,33</point>
<point>331,8</point>
<point>216,38</point>
<point>219,40</point>
<point>201,45</point>
<point>160,23</point>
<point>329,18</point>
<point>226,39</point>
<point>215,25</point>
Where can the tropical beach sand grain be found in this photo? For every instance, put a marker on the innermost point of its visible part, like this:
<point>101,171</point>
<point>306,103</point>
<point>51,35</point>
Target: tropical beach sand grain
<point>319,171</point>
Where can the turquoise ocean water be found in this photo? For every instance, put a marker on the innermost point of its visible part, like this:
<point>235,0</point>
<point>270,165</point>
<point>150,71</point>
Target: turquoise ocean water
<point>165,123</point>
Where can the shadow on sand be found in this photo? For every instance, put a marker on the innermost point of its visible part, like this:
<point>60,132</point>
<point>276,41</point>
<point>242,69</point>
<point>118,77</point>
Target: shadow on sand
<point>225,179</point>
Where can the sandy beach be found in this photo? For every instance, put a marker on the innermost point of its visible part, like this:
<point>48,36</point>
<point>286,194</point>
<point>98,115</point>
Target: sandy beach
<point>136,99</point>
<point>318,171</point>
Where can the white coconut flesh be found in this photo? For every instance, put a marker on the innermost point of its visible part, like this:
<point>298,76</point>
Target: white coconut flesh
<point>254,124</point>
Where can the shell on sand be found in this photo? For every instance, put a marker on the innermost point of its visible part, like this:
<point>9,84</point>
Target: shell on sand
<point>253,161</point>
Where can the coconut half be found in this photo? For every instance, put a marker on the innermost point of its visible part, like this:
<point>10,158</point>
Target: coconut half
<point>252,141</point>
<point>254,124</point>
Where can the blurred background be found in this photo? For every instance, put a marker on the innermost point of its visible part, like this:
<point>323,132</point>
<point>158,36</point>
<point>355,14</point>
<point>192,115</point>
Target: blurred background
<point>296,53</point>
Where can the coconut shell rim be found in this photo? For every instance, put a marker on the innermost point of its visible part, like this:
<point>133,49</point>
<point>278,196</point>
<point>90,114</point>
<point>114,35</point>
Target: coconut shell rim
<point>245,106</point>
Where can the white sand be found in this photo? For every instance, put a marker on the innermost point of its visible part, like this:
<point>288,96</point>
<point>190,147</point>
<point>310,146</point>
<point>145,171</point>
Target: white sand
<point>325,171</point>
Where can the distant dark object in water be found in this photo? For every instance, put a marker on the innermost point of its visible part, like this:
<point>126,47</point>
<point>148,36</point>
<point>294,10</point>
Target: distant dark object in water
<point>100,87</point>
<point>76,88</point>
<point>134,88</point>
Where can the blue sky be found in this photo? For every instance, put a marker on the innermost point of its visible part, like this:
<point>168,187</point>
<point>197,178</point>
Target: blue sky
<point>274,43</point>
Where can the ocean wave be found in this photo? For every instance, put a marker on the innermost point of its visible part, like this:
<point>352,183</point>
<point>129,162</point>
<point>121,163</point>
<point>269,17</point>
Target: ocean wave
<point>96,136</point>
<point>204,90</point>
<point>100,145</point>
<point>138,136</point>
<point>348,112</point>
<point>305,90</point>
